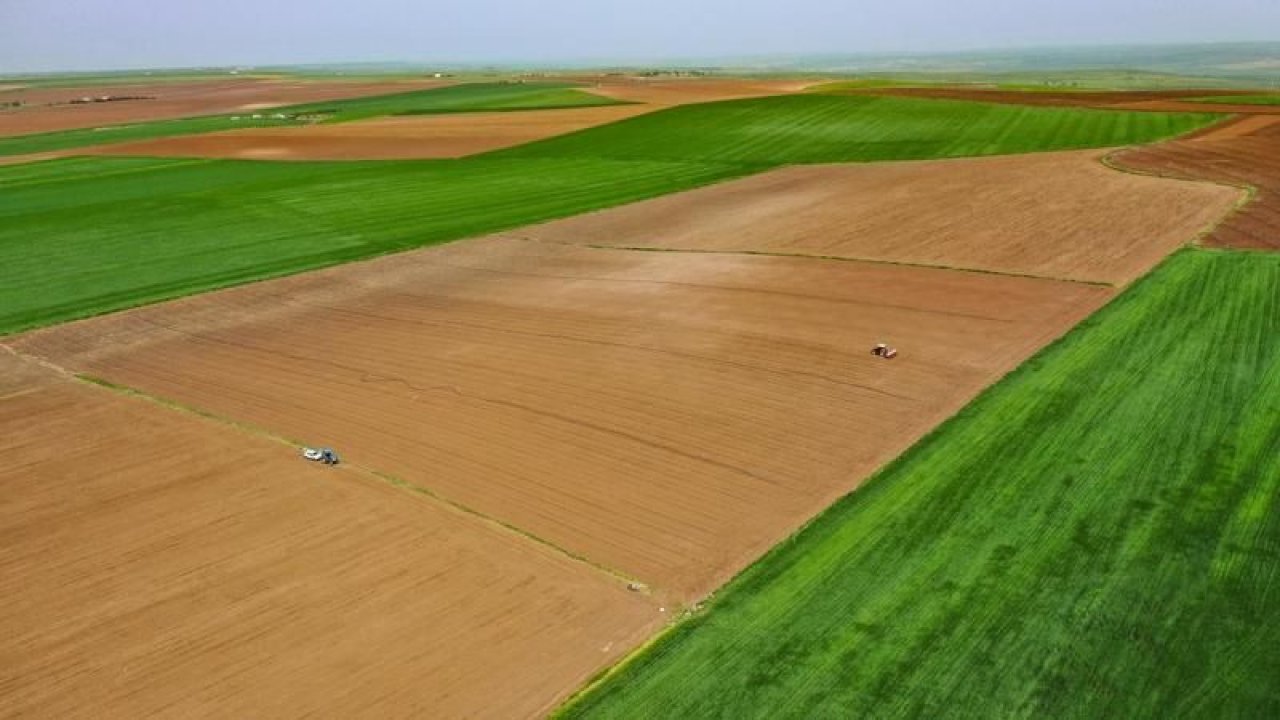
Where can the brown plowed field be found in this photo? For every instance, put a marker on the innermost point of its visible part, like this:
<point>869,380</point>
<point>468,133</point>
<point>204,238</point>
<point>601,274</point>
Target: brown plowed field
<point>160,565</point>
<point>1062,215</point>
<point>666,91</point>
<point>1152,100</point>
<point>47,110</point>
<point>669,415</point>
<point>395,138</point>
<point>1243,152</point>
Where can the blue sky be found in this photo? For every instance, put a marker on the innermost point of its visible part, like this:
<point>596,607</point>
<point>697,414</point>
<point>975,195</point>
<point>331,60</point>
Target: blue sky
<point>38,35</point>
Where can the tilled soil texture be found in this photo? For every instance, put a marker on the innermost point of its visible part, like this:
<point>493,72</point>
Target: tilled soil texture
<point>1245,152</point>
<point>667,91</point>
<point>49,109</point>
<point>1152,100</point>
<point>667,415</point>
<point>393,138</point>
<point>1059,215</point>
<point>157,564</point>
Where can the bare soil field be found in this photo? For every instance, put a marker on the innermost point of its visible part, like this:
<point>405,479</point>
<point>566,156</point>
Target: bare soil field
<point>392,138</point>
<point>47,109</point>
<point>668,415</point>
<point>1060,215</point>
<point>157,564</point>
<point>1245,152</point>
<point>668,91</point>
<point>1152,100</point>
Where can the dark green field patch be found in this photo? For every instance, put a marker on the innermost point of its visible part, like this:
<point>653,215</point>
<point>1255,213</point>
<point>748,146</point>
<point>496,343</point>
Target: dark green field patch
<point>823,129</point>
<point>1097,536</point>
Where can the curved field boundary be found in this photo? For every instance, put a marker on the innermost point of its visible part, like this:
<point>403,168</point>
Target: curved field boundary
<point>1244,153</point>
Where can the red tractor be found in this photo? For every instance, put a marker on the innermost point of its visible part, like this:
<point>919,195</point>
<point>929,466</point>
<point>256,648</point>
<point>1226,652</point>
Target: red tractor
<point>884,352</point>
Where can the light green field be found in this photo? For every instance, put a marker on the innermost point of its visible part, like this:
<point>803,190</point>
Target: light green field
<point>1097,536</point>
<point>475,97</point>
<point>86,235</point>
<point>819,128</point>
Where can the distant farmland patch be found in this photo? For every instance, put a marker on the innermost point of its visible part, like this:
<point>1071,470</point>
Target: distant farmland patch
<point>488,97</point>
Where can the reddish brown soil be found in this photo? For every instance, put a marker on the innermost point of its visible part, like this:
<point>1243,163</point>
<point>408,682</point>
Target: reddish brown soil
<point>1244,152</point>
<point>669,415</point>
<point>1061,215</point>
<point>1153,100</point>
<point>1240,126</point>
<point>175,100</point>
<point>161,565</point>
<point>427,136</point>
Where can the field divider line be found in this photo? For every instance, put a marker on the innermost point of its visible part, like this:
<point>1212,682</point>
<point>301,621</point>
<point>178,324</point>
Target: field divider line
<point>1113,162</point>
<point>382,477</point>
<point>830,258</point>
<point>502,525</point>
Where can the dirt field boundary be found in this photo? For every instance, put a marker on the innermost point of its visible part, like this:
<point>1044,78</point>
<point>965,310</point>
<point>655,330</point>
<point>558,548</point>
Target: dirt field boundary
<point>834,258</point>
<point>392,480</point>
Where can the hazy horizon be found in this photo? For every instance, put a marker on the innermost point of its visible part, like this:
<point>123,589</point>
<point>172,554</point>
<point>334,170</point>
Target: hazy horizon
<point>133,34</point>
